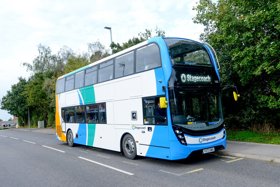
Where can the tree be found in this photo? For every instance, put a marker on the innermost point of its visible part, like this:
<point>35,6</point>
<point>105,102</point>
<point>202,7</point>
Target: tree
<point>116,47</point>
<point>40,88</point>
<point>75,62</point>
<point>15,102</point>
<point>48,62</point>
<point>97,51</point>
<point>36,97</point>
<point>246,35</point>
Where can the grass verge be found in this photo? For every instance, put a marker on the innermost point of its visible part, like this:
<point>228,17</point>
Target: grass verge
<point>250,136</point>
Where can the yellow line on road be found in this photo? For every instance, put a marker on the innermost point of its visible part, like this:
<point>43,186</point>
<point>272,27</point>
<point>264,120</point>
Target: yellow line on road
<point>230,161</point>
<point>193,171</point>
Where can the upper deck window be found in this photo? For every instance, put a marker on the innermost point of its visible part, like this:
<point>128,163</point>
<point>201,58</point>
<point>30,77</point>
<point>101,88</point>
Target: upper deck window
<point>147,57</point>
<point>69,85</point>
<point>186,52</point>
<point>60,85</point>
<point>79,79</point>
<point>124,65</point>
<point>91,76</point>
<point>105,71</point>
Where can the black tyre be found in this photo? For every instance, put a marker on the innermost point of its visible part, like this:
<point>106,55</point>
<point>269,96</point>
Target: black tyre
<point>129,147</point>
<point>70,139</point>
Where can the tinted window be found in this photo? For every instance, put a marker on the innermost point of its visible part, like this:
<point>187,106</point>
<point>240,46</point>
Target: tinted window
<point>70,115</point>
<point>60,85</point>
<point>96,113</point>
<point>153,114</point>
<point>105,72</point>
<point>63,114</point>
<point>69,85</point>
<point>80,114</point>
<point>124,65</point>
<point>91,76</point>
<point>92,113</point>
<point>79,79</point>
<point>102,112</point>
<point>186,52</point>
<point>147,58</point>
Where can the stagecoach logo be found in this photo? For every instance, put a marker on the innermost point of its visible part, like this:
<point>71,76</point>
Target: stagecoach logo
<point>206,139</point>
<point>194,78</point>
<point>135,127</point>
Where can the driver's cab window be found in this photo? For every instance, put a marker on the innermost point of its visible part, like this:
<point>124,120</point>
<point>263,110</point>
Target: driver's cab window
<point>153,114</point>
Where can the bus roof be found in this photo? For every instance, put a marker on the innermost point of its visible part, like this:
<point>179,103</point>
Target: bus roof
<point>123,52</point>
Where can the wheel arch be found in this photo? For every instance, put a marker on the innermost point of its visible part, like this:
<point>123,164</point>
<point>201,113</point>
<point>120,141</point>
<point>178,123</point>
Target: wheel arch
<point>120,143</point>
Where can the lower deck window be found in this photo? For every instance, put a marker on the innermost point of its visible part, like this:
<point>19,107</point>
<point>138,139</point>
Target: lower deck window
<point>94,113</point>
<point>153,114</point>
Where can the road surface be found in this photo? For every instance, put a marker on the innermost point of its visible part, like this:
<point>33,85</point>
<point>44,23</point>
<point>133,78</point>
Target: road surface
<point>29,158</point>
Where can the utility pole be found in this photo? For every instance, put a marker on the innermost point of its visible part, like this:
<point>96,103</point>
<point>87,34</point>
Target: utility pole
<point>28,118</point>
<point>109,28</point>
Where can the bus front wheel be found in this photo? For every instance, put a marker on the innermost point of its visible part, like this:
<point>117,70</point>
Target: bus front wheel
<point>70,139</point>
<point>129,147</point>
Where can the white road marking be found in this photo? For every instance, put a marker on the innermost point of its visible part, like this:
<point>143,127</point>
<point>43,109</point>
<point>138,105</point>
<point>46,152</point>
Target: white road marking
<point>107,166</point>
<point>13,138</point>
<point>230,161</point>
<point>184,173</point>
<point>29,142</point>
<point>3,136</point>
<point>58,150</point>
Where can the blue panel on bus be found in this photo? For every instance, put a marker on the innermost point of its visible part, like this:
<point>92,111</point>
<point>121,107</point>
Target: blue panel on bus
<point>159,145</point>
<point>160,81</point>
<point>213,60</point>
<point>82,135</point>
<point>165,58</point>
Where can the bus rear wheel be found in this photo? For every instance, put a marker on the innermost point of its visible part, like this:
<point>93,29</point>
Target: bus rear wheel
<point>70,139</point>
<point>129,147</point>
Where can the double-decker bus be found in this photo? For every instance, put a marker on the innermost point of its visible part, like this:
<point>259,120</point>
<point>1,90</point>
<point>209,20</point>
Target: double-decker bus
<point>160,98</point>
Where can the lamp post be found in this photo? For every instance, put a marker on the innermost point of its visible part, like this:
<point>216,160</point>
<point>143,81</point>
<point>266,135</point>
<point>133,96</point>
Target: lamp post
<point>109,28</point>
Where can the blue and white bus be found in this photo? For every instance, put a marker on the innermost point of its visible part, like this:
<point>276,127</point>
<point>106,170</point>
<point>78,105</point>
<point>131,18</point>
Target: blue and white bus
<point>160,98</point>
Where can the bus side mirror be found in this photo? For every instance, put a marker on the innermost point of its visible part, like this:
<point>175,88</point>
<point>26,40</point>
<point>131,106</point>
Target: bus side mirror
<point>235,95</point>
<point>162,102</point>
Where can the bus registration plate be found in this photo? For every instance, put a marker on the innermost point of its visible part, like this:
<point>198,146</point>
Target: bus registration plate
<point>208,150</point>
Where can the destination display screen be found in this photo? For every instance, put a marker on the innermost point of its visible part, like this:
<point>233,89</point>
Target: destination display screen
<point>194,78</point>
<point>186,75</point>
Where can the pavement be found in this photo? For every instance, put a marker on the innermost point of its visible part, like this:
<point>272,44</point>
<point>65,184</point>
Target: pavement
<point>264,152</point>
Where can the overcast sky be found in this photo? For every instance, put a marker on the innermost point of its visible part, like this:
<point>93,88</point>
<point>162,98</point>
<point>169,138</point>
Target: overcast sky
<point>75,23</point>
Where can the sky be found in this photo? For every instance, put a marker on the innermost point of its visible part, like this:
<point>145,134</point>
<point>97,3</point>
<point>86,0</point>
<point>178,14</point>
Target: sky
<point>75,23</point>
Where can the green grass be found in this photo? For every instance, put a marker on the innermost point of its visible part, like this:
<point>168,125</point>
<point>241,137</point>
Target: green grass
<point>250,136</point>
